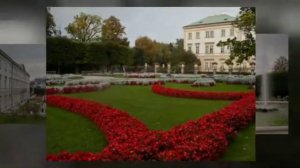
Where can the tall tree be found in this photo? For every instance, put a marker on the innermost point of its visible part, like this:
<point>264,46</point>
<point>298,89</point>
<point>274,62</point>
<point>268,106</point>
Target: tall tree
<point>242,50</point>
<point>59,52</point>
<point>281,64</point>
<point>112,30</point>
<point>50,24</point>
<point>148,47</point>
<point>138,57</point>
<point>62,51</point>
<point>179,43</point>
<point>96,53</point>
<point>85,27</point>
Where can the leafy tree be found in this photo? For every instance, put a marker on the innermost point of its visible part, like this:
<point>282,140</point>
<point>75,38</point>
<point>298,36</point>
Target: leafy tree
<point>179,43</point>
<point>96,53</point>
<point>50,24</point>
<point>112,30</point>
<point>281,64</point>
<point>138,58</point>
<point>114,54</point>
<point>79,55</point>
<point>62,51</point>
<point>85,27</point>
<point>163,53</point>
<point>242,50</point>
<point>59,52</point>
<point>148,47</point>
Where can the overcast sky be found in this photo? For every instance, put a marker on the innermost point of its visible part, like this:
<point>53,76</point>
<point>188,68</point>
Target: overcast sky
<point>269,47</point>
<point>164,24</point>
<point>33,56</point>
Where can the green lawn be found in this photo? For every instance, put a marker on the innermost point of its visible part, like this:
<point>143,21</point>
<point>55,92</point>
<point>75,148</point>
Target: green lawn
<point>243,147</point>
<point>72,132</point>
<point>156,111</point>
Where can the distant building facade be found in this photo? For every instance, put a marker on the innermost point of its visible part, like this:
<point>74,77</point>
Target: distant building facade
<point>14,83</point>
<point>202,37</point>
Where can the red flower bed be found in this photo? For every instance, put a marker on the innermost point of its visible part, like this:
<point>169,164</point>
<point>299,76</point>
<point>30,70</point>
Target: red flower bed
<point>129,139</point>
<point>159,89</point>
<point>50,91</point>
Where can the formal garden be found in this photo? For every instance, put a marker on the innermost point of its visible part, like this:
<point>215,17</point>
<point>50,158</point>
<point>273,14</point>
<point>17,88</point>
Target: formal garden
<point>165,118</point>
<point>111,98</point>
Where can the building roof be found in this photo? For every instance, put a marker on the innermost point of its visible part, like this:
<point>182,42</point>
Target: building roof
<point>21,66</point>
<point>221,18</point>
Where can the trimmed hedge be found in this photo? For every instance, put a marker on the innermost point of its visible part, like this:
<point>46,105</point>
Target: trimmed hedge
<point>278,84</point>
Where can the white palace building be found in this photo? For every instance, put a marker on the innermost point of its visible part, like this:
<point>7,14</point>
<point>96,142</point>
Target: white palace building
<point>14,83</point>
<point>202,37</point>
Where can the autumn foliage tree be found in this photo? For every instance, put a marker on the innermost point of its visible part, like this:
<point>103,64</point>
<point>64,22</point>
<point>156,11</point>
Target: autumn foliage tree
<point>85,27</point>
<point>113,30</point>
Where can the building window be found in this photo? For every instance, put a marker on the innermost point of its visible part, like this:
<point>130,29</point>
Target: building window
<point>222,69</point>
<point>197,48</point>
<point>209,48</point>
<point>223,33</point>
<point>211,34</point>
<point>222,49</point>
<point>207,34</point>
<point>231,32</point>
<point>198,35</point>
<point>190,36</point>
<point>206,65</point>
<point>229,48</point>
<point>189,47</point>
<point>211,66</point>
<point>206,49</point>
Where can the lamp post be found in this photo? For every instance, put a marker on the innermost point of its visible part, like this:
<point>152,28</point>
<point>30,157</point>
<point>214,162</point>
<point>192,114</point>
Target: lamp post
<point>155,67</point>
<point>182,68</point>
<point>215,67</point>
<point>146,65</point>
<point>230,68</point>
<point>252,67</point>
<point>196,68</point>
<point>169,68</point>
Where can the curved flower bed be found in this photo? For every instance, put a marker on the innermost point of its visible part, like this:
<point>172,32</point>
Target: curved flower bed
<point>159,89</point>
<point>206,138</point>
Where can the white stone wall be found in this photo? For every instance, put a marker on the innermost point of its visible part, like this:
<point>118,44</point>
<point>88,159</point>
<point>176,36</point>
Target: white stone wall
<point>14,84</point>
<point>217,56</point>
